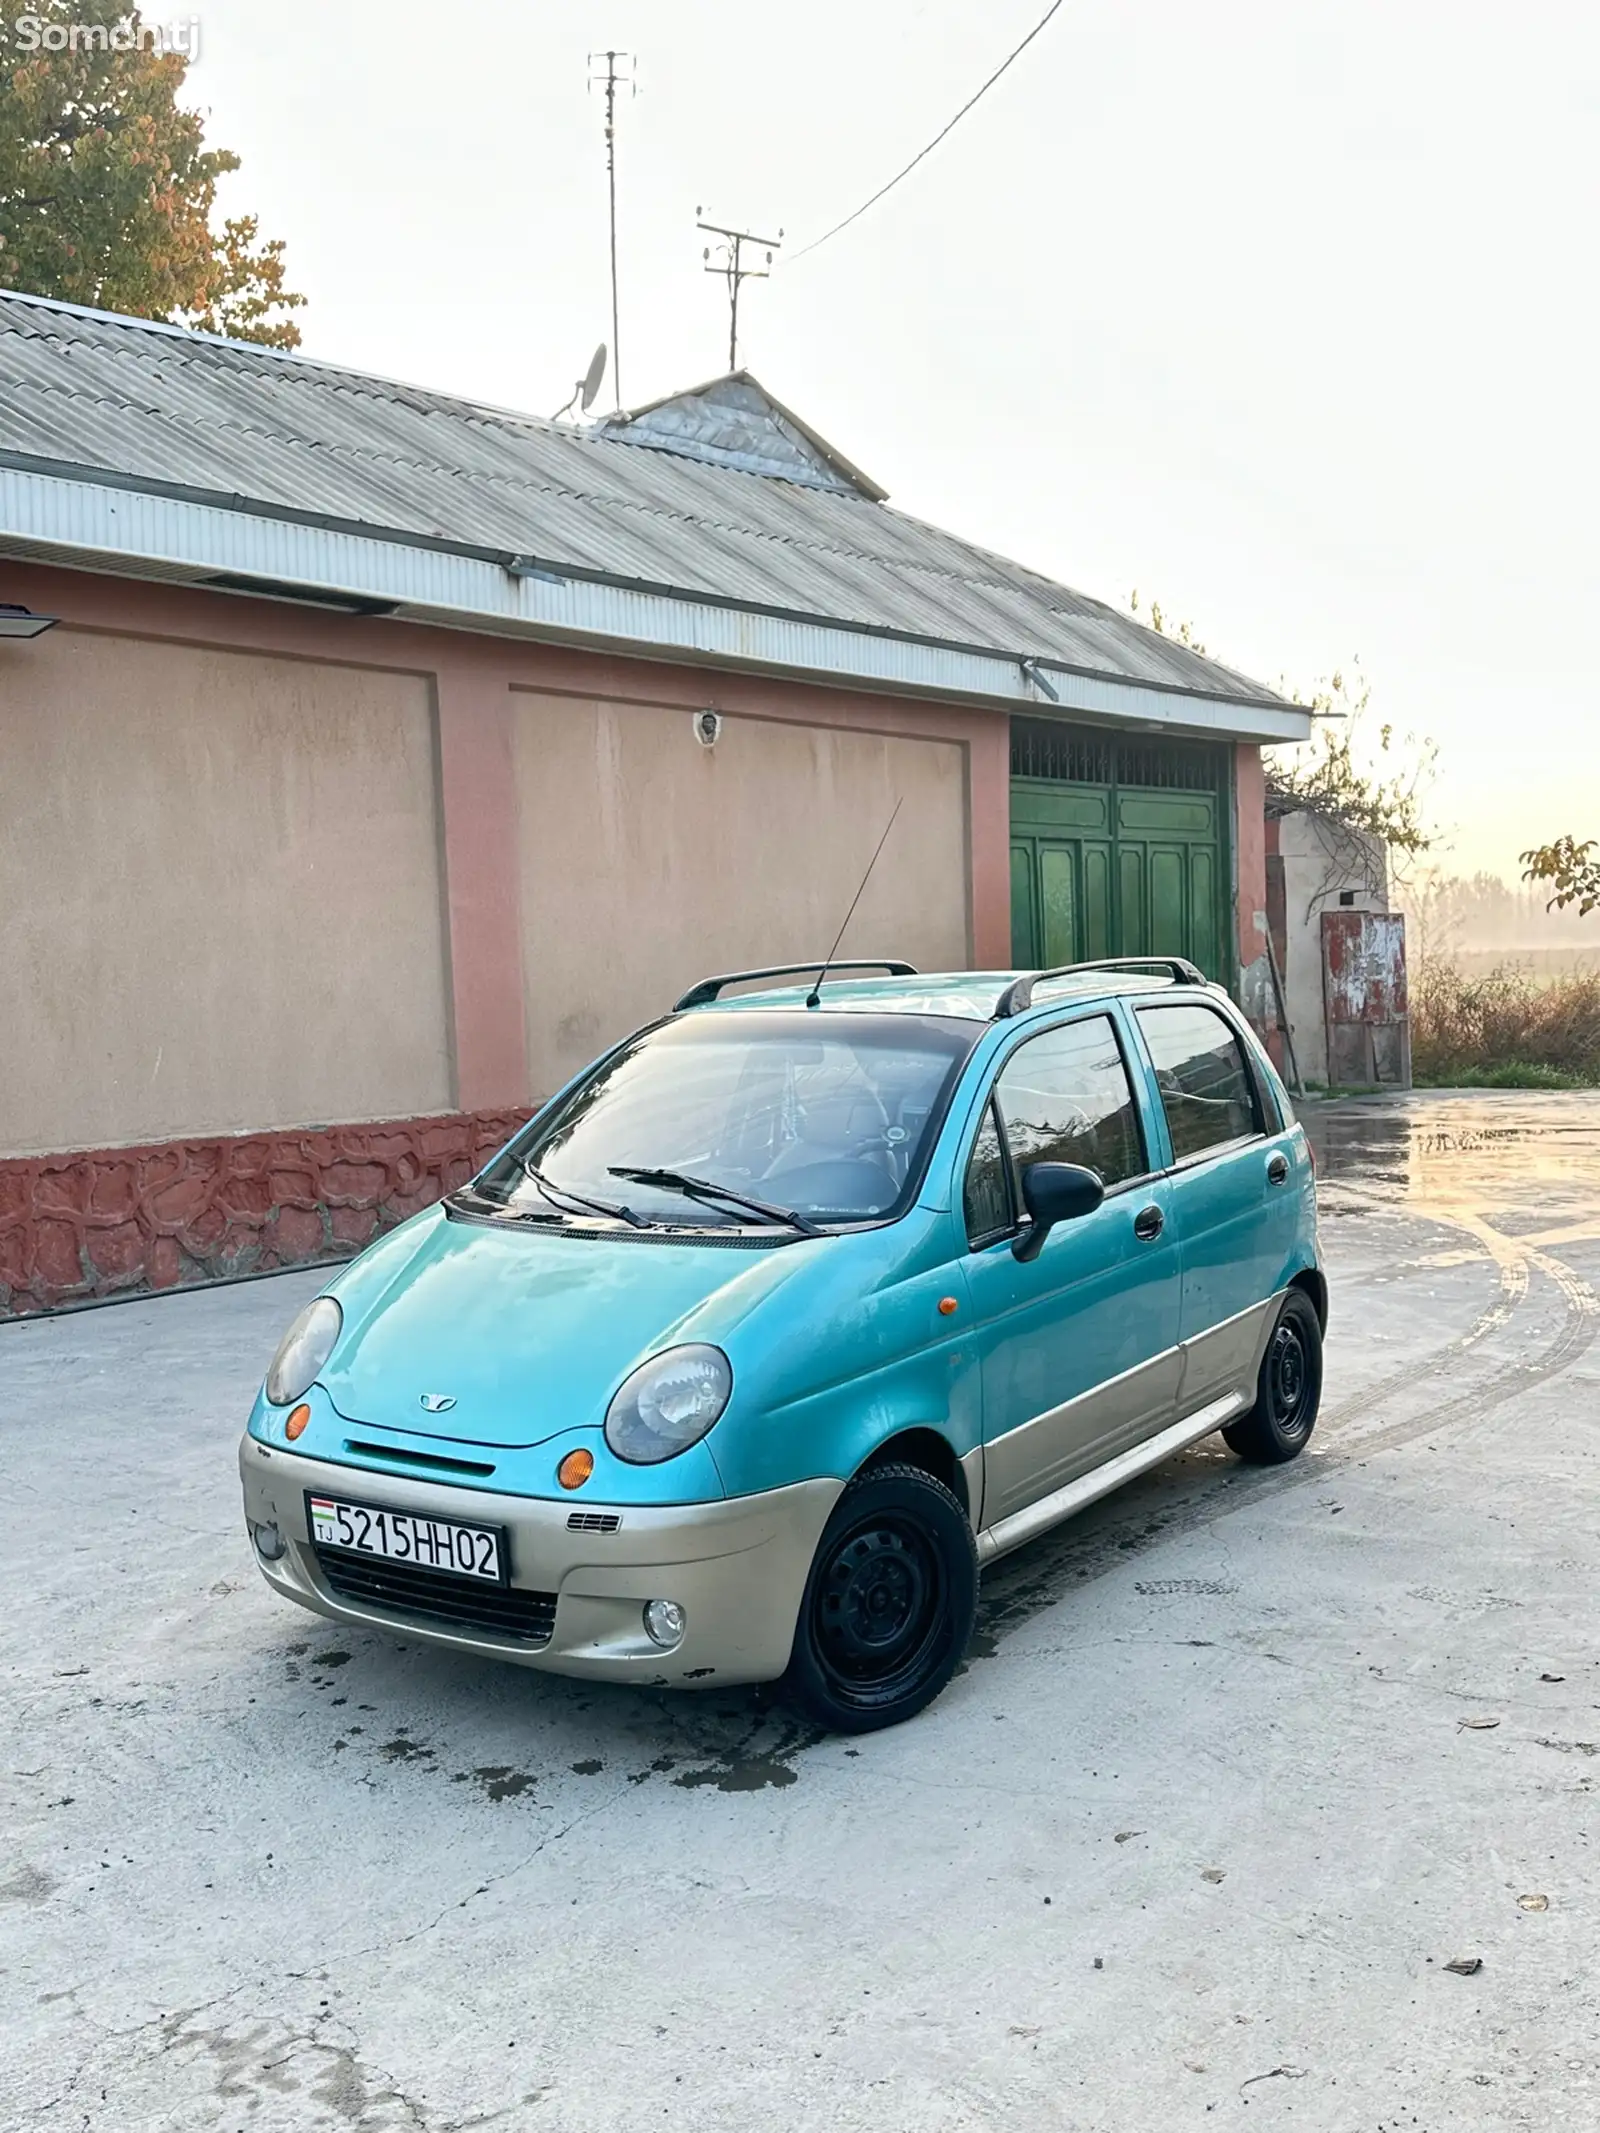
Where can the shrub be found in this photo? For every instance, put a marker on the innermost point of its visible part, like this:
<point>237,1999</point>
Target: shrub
<point>1502,1029</point>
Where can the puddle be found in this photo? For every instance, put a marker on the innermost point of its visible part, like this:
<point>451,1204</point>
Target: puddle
<point>1537,1156</point>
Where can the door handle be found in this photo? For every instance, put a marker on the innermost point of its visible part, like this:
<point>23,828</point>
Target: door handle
<point>1277,1169</point>
<point>1148,1223</point>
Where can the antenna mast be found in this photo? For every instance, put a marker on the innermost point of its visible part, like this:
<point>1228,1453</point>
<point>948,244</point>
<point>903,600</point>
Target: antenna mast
<point>612,80</point>
<point>732,267</point>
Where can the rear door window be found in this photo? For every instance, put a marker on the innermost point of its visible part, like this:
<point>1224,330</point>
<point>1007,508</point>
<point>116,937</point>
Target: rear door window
<point>1206,1087</point>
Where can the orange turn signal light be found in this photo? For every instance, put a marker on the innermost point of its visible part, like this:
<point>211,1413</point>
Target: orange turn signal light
<point>296,1424</point>
<point>575,1469</point>
<point>947,1306</point>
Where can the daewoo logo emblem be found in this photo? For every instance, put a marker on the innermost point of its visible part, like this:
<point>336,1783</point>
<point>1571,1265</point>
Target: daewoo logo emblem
<point>438,1403</point>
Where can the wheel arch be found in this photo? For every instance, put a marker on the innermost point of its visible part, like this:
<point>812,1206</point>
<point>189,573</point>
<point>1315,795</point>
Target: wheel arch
<point>927,1448</point>
<point>1313,1283</point>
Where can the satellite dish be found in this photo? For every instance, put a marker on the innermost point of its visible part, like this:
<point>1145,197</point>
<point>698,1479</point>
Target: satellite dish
<point>592,377</point>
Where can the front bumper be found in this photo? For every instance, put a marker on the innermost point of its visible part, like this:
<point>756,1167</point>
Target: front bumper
<point>737,1567</point>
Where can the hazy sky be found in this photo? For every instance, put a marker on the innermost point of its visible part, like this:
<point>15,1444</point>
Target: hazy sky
<point>1284,313</point>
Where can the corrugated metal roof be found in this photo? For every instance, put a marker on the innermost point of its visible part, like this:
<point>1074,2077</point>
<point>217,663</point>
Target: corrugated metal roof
<point>155,407</point>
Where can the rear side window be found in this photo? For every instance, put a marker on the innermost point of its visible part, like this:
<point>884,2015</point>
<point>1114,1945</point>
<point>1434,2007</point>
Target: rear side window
<point>1205,1084</point>
<point>1064,1097</point>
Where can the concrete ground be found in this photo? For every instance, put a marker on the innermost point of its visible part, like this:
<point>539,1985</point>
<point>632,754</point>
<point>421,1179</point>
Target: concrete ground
<point>1241,1762</point>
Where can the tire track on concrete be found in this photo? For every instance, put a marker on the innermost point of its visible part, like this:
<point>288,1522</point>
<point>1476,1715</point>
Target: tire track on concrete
<point>1513,1272</point>
<point>1076,1558</point>
<point>1574,1337</point>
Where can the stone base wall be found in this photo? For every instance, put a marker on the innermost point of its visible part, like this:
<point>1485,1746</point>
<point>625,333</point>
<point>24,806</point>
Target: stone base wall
<point>110,1221</point>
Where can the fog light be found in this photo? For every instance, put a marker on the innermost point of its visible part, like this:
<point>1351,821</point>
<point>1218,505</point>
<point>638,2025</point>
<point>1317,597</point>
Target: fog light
<point>269,1542</point>
<point>664,1623</point>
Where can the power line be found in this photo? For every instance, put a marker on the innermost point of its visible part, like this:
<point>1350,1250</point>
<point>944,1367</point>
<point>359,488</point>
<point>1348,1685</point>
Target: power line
<point>923,153</point>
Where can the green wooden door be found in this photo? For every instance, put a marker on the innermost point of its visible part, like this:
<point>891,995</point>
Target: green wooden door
<point>1116,869</point>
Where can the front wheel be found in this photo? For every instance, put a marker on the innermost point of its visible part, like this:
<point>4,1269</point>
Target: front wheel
<point>1288,1389</point>
<point>889,1605</point>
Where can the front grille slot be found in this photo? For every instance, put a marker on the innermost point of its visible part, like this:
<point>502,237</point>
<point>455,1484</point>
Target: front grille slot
<point>464,1603</point>
<point>593,1521</point>
<point>433,1461</point>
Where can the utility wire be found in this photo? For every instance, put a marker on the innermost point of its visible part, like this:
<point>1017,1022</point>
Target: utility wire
<point>923,153</point>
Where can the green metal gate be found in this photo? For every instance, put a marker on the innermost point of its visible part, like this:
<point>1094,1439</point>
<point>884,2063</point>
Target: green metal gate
<point>1118,847</point>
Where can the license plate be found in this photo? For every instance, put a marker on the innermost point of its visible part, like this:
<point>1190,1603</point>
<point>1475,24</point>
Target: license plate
<point>404,1537</point>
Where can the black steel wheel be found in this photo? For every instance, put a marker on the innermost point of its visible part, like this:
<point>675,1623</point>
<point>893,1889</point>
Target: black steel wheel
<point>1288,1389</point>
<point>889,1604</point>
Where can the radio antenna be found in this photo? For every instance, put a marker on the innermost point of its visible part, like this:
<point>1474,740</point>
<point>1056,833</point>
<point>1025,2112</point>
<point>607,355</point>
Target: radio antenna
<point>814,997</point>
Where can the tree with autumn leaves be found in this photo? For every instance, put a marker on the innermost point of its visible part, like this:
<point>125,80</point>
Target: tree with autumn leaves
<point>107,189</point>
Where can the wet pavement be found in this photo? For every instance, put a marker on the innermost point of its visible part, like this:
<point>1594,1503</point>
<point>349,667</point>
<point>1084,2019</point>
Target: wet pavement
<point>1239,1764</point>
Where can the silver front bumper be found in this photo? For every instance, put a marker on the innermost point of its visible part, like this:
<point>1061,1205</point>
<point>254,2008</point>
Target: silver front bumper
<point>737,1568</point>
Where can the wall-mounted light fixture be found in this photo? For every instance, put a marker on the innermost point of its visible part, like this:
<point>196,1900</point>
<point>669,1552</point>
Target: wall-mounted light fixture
<point>22,622</point>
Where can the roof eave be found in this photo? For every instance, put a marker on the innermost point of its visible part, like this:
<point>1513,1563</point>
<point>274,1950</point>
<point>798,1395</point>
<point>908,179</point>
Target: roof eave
<point>132,530</point>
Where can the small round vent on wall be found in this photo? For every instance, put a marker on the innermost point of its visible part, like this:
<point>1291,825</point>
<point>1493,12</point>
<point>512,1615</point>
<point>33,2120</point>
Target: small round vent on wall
<point>708,728</point>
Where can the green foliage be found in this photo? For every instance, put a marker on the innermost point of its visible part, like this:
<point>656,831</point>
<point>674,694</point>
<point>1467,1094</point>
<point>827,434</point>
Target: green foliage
<point>1465,1029</point>
<point>107,189</point>
<point>1571,869</point>
<point>1376,791</point>
<point>1512,1074</point>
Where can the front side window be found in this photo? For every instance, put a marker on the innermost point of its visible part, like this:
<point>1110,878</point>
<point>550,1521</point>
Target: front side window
<point>1205,1084</point>
<point>1064,1097</point>
<point>987,1199</point>
<point>830,1116</point>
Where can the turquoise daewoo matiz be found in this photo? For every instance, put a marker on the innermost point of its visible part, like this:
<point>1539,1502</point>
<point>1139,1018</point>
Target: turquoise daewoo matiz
<point>787,1314</point>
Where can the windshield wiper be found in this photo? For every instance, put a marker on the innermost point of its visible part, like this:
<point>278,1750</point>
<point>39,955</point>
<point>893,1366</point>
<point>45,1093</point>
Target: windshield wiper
<point>595,1207</point>
<point>694,1188</point>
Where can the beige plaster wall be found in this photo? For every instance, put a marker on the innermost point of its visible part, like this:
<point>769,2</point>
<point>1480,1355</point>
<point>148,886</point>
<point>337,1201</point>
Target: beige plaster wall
<point>648,861</point>
<point>220,902</point>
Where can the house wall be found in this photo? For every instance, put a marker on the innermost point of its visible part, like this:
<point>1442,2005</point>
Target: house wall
<point>648,858</point>
<point>220,894</point>
<point>1250,883</point>
<point>1318,870</point>
<point>275,878</point>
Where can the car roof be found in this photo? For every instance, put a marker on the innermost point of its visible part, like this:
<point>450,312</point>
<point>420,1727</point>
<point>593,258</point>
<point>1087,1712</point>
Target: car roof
<point>968,994</point>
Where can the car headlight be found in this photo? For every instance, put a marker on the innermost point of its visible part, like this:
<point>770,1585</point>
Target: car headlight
<point>303,1350</point>
<point>668,1404</point>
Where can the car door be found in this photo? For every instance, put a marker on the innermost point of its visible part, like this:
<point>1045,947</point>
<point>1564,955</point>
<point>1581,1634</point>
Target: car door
<point>1231,1181</point>
<point>1079,1346</point>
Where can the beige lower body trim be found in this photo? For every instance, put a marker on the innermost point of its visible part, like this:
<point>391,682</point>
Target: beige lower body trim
<point>737,1568</point>
<point>1101,1480</point>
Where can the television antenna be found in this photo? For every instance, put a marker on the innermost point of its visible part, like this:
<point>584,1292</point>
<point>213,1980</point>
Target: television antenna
<point>731,266</point>
<point>613,79</point>
<point>585,388</point>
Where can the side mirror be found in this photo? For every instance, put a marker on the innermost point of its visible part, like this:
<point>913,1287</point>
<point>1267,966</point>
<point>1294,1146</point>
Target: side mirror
<point>1052,1193</point>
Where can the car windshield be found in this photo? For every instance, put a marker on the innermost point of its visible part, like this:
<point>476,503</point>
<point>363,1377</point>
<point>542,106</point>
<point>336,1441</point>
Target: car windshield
<point>829,1117</point>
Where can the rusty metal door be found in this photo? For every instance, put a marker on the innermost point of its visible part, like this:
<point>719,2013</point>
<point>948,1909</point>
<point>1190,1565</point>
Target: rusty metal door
<point>1364,994</point>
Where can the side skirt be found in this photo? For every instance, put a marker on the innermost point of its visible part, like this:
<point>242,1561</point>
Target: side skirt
<point>1050,1510</point>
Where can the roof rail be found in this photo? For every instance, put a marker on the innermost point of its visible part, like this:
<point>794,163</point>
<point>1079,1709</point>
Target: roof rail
<point>1018,995</point>
<point>710,988</point>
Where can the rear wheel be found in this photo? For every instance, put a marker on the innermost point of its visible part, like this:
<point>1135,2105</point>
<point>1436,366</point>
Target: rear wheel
<point>1288,1389</point>
<point>889,1605</point>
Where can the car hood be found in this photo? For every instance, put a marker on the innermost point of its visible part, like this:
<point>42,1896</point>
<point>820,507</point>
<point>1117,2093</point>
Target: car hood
<point>527,1333</point>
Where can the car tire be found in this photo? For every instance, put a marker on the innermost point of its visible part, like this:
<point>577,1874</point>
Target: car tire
<point>1288,1389</point>
<point>889,1604</point>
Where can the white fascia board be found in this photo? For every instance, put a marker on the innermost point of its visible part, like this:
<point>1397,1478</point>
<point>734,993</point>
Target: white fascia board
<point>133,532</point>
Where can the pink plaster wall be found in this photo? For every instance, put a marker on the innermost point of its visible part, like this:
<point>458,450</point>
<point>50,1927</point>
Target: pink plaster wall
<point>82,1224</point>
